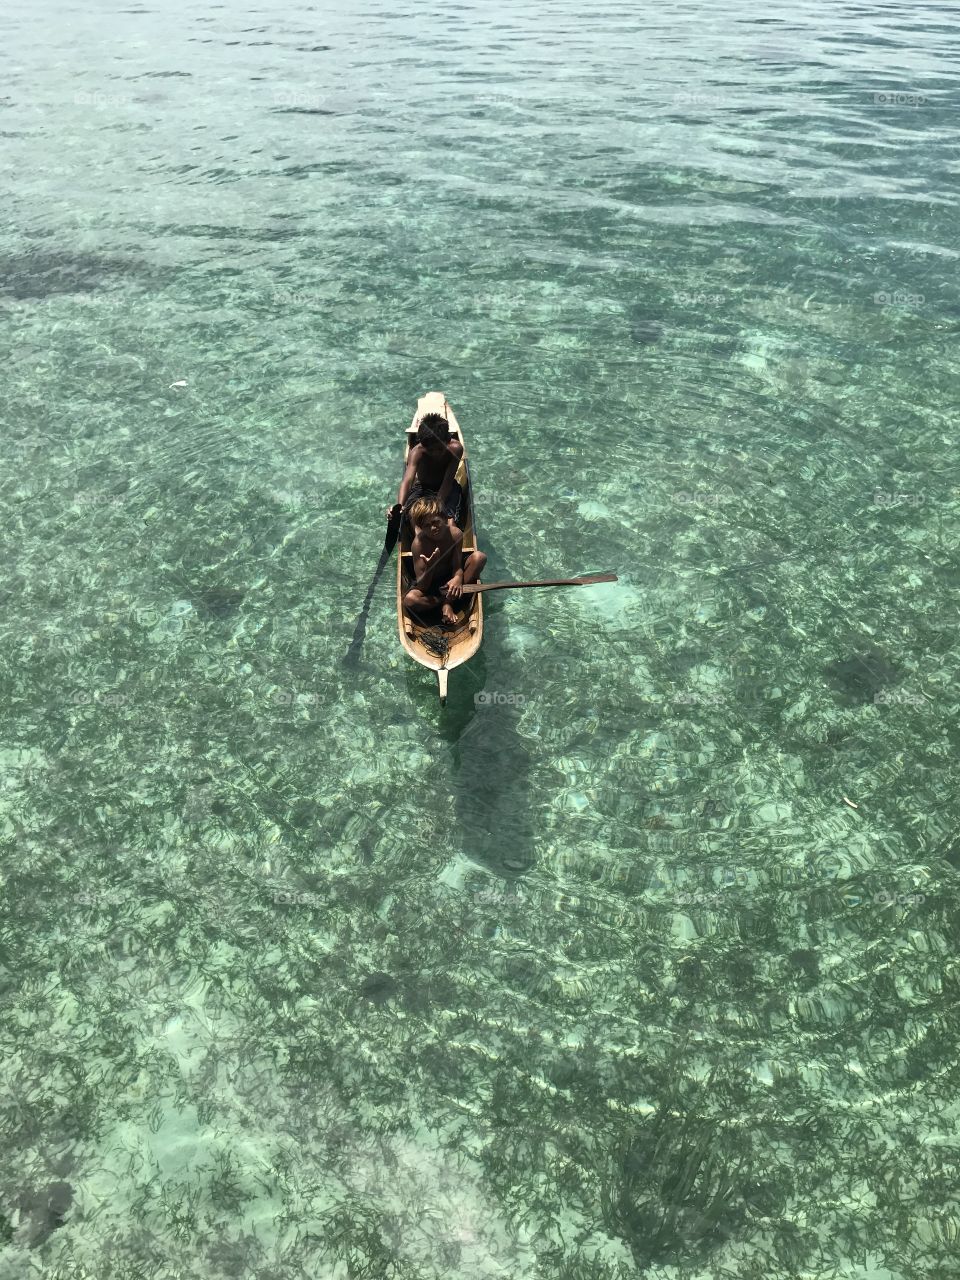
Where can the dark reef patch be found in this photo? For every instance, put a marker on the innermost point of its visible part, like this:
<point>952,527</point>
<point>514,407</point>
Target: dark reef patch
<point>44,273</point>
<point>858,678</point>
<point>681,1185</point>
<point>218,602</point>
<point>379,987</point>
<point>43,1211</point>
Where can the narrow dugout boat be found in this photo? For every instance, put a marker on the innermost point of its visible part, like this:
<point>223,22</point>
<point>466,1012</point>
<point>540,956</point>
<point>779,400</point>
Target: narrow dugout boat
<point>432,643</point>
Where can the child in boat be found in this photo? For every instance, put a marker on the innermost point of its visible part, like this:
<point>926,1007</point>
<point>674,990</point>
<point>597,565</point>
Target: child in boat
<point>437,558</point>
<point>431,468</point>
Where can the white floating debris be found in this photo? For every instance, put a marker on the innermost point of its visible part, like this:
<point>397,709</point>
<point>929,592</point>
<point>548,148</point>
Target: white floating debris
<point>850,803</point>
<point>181,383</point>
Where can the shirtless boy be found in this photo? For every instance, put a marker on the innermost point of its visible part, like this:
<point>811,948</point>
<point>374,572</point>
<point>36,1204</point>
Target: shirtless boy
<point>437,561</point>
<point>431,467</point>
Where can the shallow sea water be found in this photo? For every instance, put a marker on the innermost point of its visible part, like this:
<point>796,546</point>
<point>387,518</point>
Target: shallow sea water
<point>639,959</point>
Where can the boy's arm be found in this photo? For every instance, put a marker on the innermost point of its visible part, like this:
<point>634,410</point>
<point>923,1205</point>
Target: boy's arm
<point>423,565</point>
<point>447,482</point>
<point>455,449</point>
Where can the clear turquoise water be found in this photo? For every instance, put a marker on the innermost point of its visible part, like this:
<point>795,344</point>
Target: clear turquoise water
<point>594,976</point>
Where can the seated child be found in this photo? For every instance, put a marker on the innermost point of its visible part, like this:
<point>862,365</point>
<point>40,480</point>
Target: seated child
<point>437,562</point>
<point>431,467</point>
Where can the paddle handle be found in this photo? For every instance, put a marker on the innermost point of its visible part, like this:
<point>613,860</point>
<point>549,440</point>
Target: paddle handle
<point>473,588</point>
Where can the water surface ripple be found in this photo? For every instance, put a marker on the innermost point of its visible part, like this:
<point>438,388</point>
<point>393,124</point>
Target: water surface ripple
<point>640,957</point>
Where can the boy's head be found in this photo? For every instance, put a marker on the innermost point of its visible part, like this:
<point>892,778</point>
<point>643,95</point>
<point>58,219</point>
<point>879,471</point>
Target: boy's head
<point>433,433</point>
<point>426,514</point>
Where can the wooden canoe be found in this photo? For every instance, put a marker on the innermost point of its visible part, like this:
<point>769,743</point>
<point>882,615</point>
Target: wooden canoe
<point>432,643</point>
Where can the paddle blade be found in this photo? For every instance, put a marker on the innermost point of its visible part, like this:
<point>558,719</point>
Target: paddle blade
<point>585,579</point>
<point>393,528</point>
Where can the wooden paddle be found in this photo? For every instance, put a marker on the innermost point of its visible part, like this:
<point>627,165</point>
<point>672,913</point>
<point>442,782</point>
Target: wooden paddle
<point>352,655</point>
<point>585,580</point>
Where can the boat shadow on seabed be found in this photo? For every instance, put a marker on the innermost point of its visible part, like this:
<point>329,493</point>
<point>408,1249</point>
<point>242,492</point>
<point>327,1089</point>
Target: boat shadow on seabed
<point>489,766</point>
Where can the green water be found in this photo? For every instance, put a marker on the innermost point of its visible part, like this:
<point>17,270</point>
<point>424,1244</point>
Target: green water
<point>597,972</point>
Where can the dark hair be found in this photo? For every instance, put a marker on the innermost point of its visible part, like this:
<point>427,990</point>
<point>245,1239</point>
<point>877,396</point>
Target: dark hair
<point>433,426</point>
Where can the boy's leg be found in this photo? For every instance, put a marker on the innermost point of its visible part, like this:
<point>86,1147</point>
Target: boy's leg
<point>473,566</point>
<point>448,610</point>
<point>471,570</point>
<point>417,601</point>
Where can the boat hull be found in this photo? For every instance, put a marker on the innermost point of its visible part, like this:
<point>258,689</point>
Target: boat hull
<point>438,647</point>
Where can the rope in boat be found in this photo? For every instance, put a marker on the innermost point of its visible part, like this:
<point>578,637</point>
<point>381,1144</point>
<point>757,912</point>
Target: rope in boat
<point>436,641</point>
